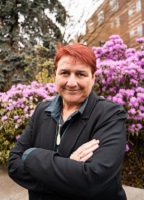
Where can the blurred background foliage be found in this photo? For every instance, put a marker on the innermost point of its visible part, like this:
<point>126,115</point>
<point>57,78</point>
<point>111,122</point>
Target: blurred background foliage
<point>133,165</point>
<point>25,24</point>
<point>39,66</point>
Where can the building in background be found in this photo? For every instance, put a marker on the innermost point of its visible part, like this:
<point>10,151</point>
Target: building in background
<point>122,17</point>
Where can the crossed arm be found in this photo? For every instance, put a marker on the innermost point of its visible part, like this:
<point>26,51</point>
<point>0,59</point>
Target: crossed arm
<point>21,176</point>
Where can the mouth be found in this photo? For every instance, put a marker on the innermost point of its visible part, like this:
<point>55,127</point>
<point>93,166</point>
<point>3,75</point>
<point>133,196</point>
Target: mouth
<point>69,90</point>
<point>72,91</point>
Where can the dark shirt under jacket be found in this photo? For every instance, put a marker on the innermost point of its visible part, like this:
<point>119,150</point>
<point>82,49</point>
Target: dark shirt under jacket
<point>50,175</point>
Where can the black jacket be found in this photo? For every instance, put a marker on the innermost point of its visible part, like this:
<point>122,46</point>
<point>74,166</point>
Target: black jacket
<point>50,175</point>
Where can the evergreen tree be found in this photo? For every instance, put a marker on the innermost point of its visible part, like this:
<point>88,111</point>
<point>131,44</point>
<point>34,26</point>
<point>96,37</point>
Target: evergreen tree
<point>23,24</point>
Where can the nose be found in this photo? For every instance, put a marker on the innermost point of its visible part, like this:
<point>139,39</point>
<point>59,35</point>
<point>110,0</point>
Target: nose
<point>72,82</point>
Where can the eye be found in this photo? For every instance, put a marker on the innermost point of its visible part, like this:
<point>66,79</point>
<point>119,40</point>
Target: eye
<point>81,74</point>
<point>64,73</point>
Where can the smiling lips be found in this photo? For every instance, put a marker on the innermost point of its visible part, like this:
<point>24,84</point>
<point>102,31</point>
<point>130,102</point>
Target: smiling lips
<point>69,90</point>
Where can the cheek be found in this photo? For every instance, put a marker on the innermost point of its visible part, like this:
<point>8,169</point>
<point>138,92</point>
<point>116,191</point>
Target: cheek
<point>90,85</point>
<point>57,82</point>
<point>57,79</point>
<point>60,82</point>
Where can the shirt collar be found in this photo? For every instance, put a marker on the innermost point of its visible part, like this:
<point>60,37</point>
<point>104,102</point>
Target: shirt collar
<point>56,106</point>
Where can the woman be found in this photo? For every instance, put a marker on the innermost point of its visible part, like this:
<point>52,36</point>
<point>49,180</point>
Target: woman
<point>59,155</point>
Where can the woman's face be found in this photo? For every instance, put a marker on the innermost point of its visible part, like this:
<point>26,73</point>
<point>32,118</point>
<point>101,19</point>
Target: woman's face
<point>74,80</point>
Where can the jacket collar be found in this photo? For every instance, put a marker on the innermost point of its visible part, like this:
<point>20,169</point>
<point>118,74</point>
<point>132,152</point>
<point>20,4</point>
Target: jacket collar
<point>93,98</point>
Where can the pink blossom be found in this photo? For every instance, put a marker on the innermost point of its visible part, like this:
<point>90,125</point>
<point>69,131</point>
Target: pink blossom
<point>16,126</point>
<point>19,120</point>
<point>16,117</point>
<point>132,111</point>
<point>27,115</point>
<point>141,108</point>
<point>10,108</point>
<point>17,137</point>
<point>22,105</point>
<point>114,99</point>
<point>127,148</point>
<point>139,126</point>
<point>31,112</point>
<point>4,118</point>
<point>140,40</point>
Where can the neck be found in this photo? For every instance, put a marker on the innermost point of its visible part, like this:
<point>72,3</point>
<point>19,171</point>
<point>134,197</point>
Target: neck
<point>69,109</point>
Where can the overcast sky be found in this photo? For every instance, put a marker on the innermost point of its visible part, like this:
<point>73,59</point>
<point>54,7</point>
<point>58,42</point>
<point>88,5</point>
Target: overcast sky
<point>80,11</point>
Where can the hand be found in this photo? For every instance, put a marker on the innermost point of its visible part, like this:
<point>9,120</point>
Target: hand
<point>84,152</point>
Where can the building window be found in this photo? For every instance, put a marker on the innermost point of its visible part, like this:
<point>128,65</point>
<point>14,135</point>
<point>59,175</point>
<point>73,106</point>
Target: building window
<point>117,22</point>
<point>130,12</point>
<point>131,33</point>
<point>140,30</point>
<point>100,17</point>
<point>114,5</point>
<point>138,5</point>
<point>90,25</point>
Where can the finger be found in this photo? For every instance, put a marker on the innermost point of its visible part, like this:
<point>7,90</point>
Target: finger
<point>86,146</point>
<point>79,152</point>
<point>89,150</point>
<point>90,143</point>
<point>84,159</point>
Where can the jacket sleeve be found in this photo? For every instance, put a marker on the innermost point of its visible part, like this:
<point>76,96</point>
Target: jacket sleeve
<point>70,177</point>
<point>16,169</point>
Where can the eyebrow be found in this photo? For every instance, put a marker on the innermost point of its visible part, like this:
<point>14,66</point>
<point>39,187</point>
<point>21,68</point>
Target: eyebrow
<point>69,70</point>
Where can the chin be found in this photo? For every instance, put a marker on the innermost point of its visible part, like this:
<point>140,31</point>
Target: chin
<point>70,99</point>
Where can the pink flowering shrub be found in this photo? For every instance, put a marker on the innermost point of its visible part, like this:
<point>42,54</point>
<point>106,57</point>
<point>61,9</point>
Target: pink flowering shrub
<point>16,107</point>
<point>120,78</point>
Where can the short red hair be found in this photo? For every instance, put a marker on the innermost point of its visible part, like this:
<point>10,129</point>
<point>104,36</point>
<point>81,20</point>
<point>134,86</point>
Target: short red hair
<point>78,51</point>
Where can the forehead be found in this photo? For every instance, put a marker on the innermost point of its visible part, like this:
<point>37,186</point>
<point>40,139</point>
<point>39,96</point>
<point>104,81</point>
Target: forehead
<point>69,61</point>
